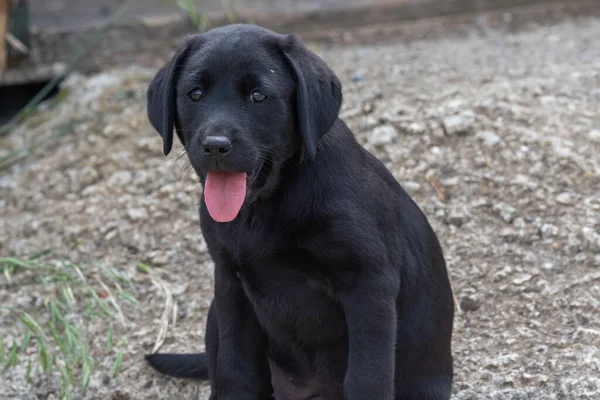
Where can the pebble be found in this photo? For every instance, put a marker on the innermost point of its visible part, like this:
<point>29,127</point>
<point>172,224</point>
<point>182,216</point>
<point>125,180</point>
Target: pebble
<point>548,231</point>
<point>566,198</point>
<point>548,266</point>
<point>119,178</point>
<point>456,218</point>
<point>591,238</point>
<point>383,134</point>
<point>136,214</point>
<point>503,273</point>
<point>522,278</point>
<point>87,176</point>
<point>506,212</point>
<point>412,128</point>
<point>489,138</point>
<point>509,235</point>
<point>468,304</point>
<point>411,186</point>
<point>358,77</point>
<point>159,259</point>
<point>459,124</point>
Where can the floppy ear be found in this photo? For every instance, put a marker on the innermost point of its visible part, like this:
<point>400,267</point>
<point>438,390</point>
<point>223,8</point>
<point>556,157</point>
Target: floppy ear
<point>318,93</point>
<point>161,96</point>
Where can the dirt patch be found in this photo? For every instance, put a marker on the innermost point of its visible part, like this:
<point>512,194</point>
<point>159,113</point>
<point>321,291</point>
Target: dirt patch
<point>497,137</point>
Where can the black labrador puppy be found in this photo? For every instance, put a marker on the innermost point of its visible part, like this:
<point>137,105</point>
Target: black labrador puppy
<point>329,281</point>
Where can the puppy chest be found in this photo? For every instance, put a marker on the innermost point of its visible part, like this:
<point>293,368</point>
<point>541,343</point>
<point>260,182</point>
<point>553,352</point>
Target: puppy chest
<point>294,304</point>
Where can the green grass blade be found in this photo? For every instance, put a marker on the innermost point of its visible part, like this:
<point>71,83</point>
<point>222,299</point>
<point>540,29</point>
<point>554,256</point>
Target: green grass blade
<point>86,372</point>
<point>39,254</point>
<point>116,367</point>
<point>31,324</point>
<point>128,297</point>
<point>109,337</point>
<point>28,372</point>
<point>45,358</point>
<point>26,340</point>
<point>144,268</point>
<point>12,358</point>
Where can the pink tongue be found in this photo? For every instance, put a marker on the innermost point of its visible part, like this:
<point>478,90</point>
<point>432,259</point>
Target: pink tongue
<point>224,194</point>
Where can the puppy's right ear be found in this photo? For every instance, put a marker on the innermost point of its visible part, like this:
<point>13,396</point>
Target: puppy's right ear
<point>161,95</point>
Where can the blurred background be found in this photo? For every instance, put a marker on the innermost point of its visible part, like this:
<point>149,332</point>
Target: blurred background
<point>486,111</point>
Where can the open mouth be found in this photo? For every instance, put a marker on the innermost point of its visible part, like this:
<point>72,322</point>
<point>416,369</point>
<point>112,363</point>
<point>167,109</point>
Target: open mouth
<point>225,192</point>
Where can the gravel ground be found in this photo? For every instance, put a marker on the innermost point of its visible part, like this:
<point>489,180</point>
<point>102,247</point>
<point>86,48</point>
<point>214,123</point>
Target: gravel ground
<point>497,137</point>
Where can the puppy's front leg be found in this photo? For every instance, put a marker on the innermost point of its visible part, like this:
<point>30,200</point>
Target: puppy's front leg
<point>242,371</point>
<point>371,318</point>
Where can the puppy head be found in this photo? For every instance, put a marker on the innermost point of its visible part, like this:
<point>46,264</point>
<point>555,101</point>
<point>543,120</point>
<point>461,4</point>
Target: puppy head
<point>243,100</point>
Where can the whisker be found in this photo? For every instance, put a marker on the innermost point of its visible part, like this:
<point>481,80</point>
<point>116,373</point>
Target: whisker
<point>180,166</point>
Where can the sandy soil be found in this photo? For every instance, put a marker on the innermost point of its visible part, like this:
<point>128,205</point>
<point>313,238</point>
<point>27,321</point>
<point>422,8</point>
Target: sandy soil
<point>497,137</point>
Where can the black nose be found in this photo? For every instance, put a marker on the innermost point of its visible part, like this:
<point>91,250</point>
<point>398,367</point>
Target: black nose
<point>216,145</point>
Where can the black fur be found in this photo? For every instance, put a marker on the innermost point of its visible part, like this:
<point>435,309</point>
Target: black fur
<point>330,283</point>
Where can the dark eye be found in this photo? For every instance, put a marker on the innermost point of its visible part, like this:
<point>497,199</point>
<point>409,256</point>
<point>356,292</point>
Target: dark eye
<point>195,94</point>
<point>257,96</point>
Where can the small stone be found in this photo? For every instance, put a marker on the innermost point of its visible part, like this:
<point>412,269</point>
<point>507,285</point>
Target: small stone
<point>468,304</point>
<point>108,130</point>
<point>591,239</point>
<point>519,223</point>
<point>580,257</point>
<point>489,138</point>
<point>159,259</point>
<point>30,228</point>
<point>167,189</point>
<point>358,77</point>
<point>594,135</point>
<point>548,231</point>
<point>503,273</point>
<point>480,162</point>
<point>456,219</point>
<point>548,266</point>
<point>87,176</point>
<point>136,214</point>
<point>412,186</point>
<point>522,278</point>
<point>120,395</point>
<point>111,234</point>
<point>509,235</point>
<point>507,213</point>
<point>459,124</point>
<point>152,145</point>
<point>368,122</point>
<point>526,181</point>
<point>416,128</point>
<point>566,198</point>
<point>120,178</point>
<point>453,181</point>
<point>412,128</point>
<point>383,134</point>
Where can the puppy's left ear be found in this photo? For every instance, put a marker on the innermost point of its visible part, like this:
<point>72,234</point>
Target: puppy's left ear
<point>161,95</point>
<point>318,93</point>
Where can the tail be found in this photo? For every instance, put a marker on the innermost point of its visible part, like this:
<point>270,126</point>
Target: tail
<point>180,365</point>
